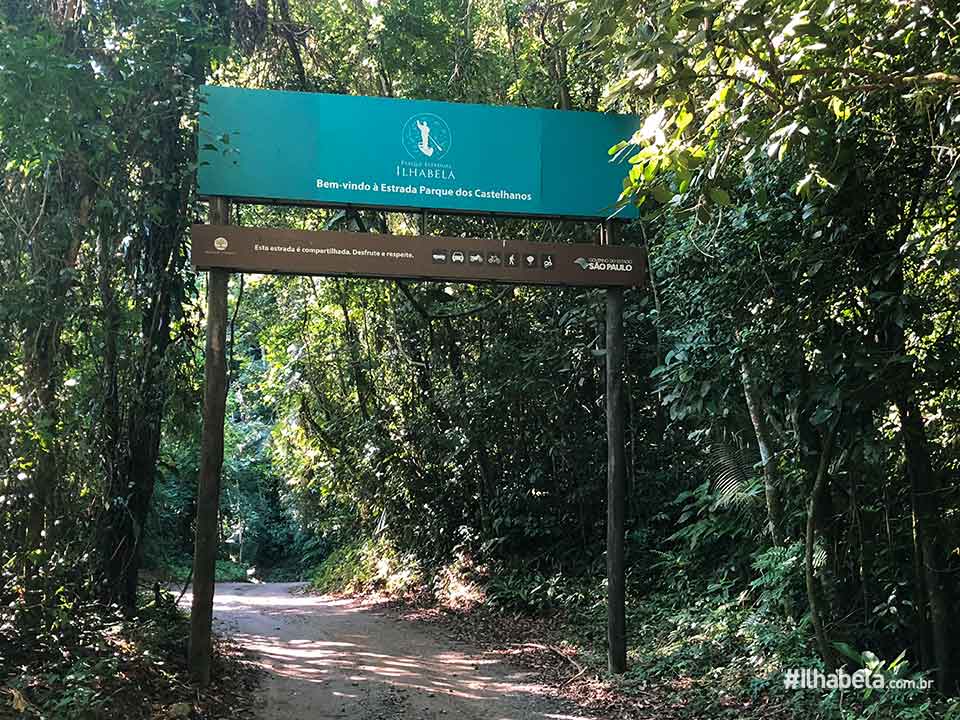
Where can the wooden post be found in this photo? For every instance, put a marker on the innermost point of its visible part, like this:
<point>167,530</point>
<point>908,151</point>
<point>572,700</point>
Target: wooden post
<point>616,482</point>
<point>211,462</point>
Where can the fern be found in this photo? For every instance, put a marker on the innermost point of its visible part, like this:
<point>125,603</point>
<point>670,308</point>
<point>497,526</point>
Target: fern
<point>732,470</point>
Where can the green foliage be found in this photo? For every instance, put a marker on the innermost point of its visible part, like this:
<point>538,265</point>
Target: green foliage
<point>909,703</point>
<point>226,571</point>
<point>752,80</point>
<point>67,656</point>
<point>778,576</point>
<point>367,566</point>
<point>536,593</point>
<point>718,653</point>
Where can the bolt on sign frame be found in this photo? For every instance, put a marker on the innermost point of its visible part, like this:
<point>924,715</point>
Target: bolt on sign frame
<point>313,149</point>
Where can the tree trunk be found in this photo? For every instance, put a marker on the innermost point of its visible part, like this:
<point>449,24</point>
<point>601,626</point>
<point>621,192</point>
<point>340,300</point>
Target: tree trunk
<point>286,29</point>
<point>109,538</point>
<point>132,452</point>
<point>923,642</point>
<point>616,487</point>
<point>211,462</point>
<point>39,364</point>
<point>41,346</point>
<point>144,448</point>
<point>476,440</point>
<point>353,345</point>
<point>776,522</point>
<point>926,490</point>
<point>816,501</point>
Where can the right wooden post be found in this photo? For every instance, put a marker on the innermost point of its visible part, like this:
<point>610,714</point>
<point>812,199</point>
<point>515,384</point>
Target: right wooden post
<point>616,482</point>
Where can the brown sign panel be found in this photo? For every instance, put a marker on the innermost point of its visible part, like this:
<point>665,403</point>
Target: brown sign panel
<point>299,252</point>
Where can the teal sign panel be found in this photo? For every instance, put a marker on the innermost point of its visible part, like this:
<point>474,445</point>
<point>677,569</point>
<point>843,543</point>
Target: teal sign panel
<point>382,152</point>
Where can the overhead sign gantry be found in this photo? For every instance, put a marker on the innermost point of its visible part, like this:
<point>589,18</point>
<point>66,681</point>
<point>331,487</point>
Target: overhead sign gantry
<point>313,149</point>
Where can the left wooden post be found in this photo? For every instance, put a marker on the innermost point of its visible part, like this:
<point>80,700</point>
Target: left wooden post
<point>211,462</point>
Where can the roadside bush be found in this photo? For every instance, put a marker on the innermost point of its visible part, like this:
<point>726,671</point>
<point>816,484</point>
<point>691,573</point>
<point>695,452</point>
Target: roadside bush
<point>368,566</point>
<point>537,593</point>
<point>87,661</point>
<point>227,571</point>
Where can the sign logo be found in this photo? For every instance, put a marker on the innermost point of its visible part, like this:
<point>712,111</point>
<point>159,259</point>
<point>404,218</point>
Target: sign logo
<point>426,137</point>
<point>605,265</point>
<point>221,243</point>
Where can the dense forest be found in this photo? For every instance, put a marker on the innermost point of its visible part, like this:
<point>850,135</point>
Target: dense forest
<point>792,368</point>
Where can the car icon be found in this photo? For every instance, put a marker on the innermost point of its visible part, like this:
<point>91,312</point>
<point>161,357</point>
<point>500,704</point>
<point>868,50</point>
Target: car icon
<point>458,257</point>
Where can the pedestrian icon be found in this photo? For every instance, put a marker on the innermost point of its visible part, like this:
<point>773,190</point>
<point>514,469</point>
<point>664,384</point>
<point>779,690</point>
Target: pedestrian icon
<point>512,259</point>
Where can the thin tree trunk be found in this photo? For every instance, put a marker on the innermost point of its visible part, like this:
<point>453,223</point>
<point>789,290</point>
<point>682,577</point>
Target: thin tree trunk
<point>41,357</point>
<point>776,522</point>
<point>476,441</point>
<point>815,501</point>
<point>353,343</point>
<point>110,539</point>
<point>923,643</point>
<point>39,360</point>
<point>286,29</point>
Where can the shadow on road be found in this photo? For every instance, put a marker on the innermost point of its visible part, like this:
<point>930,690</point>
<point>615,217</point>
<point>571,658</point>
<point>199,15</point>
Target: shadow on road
<point>330,658</point>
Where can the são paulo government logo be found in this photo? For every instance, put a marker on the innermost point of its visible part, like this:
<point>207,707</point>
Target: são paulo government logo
<point>426,137</point>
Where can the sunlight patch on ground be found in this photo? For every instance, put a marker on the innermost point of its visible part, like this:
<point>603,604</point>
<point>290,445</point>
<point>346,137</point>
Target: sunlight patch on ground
<point>319,647</point>
<point>311,661</point>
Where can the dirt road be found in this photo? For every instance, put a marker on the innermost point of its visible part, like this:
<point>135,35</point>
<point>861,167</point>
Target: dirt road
<point>328,658</point>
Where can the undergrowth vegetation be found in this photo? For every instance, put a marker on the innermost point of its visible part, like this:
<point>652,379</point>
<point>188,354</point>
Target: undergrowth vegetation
<point>368,566</point>
<point>74,658</point>
<point>698,648</point>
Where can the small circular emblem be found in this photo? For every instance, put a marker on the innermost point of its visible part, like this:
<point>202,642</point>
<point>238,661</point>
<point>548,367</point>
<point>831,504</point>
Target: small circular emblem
<point>221,243</point>
<point>426,137</point>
